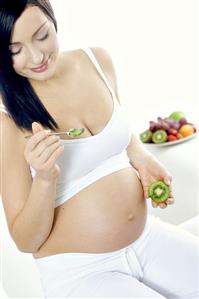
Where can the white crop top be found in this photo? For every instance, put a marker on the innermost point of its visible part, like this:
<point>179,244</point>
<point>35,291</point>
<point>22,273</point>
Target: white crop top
<point>86,160</point>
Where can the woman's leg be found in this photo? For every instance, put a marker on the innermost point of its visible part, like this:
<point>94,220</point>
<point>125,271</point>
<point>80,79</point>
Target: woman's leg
<point>164,258</point>
<point>113,285</point>
<point>92,275</point>
<point>168,257</point>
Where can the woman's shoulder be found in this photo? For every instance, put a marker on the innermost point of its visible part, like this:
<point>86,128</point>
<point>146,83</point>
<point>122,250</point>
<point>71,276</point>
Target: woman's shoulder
<point>77,55</point>
<point>77,61</point>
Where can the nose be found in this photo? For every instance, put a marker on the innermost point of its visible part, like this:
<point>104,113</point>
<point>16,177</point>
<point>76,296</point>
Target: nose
<point>36,57</point>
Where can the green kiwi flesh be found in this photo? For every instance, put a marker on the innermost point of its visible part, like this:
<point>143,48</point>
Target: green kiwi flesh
<point>146,136</point>
<point>158,191</point>
<point>75,132</point>
<point>159,136</point>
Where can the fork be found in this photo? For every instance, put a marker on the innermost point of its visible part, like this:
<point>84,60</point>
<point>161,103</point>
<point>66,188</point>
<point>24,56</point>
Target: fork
<point>73,132</point>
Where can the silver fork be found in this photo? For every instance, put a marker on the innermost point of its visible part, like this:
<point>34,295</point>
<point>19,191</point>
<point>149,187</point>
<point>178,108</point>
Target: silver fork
<point>69,133</point>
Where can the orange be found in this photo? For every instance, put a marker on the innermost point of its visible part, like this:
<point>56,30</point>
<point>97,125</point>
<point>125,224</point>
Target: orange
<point>186,130</point>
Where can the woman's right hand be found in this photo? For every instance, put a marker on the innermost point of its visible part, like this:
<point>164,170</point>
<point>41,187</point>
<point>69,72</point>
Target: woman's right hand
<point>42,152</point>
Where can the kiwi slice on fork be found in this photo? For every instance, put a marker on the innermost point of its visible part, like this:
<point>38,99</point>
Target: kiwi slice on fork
<point>158,191</point>
<point>75,132</point>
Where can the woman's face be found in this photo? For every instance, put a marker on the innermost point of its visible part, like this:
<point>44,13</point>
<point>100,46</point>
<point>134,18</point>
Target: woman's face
<point>33,43</point>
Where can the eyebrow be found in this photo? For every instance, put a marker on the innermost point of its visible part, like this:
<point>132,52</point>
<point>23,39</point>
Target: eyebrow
<point>33,34</point>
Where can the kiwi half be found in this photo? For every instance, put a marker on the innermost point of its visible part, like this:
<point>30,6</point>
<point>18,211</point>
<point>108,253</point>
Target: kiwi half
<point>159,136</point>
<point>158,191</point>
<point>146,136</point>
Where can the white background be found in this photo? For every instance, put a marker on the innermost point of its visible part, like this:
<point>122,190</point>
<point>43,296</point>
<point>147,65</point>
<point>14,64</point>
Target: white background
<point>153,45</point>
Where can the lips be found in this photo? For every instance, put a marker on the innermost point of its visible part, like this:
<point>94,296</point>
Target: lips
<point>40,68</point>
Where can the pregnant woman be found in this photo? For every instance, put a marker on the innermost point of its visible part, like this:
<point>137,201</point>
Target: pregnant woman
<point>78,204</point>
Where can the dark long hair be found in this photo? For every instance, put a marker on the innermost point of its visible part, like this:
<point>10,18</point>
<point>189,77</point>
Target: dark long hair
<point>21,101</point>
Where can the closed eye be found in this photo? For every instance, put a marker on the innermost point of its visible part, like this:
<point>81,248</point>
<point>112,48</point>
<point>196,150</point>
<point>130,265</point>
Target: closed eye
<point>16,53</point>
<point>41,39</point>
<point>45,37</point>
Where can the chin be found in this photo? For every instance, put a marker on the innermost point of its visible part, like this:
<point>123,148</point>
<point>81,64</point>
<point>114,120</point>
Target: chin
<point>37,77</point>
<point>43,76</point>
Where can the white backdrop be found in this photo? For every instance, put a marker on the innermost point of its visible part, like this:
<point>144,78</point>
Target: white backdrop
<point>153,44</point>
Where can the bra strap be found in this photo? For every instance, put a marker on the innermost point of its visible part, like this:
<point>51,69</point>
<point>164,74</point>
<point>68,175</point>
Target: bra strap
<point>92,57</point>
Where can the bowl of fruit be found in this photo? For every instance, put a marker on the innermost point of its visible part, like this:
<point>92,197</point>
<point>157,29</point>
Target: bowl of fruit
<point>170,130</point>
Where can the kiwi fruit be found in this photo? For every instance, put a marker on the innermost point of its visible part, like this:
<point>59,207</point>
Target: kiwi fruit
<point>159,136</point>
<point>158,191</point>
<point>75,132</point>
<point>146,136</point>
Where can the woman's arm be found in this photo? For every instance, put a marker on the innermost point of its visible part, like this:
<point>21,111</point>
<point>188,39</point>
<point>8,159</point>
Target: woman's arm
<point>33,224</point>
<point>28,203</point>
<point>150,169</point>
<point>137,152</point>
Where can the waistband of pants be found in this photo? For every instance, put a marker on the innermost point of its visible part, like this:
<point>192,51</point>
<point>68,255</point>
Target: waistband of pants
<point>46,261</point>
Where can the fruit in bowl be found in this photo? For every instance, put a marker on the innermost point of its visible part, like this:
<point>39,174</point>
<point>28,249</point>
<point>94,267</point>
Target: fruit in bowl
<point>168,129</point>
<point>159,136</point>
<point>186,130</point>
<point>177,115</point>
<point>146,136</point>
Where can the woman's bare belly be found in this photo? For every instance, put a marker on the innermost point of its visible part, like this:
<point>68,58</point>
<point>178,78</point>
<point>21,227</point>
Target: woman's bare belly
<point>105,216</point>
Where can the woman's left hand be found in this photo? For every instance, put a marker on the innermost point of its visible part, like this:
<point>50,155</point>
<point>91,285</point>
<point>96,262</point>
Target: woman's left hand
<point>152,170</point>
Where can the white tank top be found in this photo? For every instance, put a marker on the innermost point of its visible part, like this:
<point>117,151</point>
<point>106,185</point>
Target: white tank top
<point>86,160</point>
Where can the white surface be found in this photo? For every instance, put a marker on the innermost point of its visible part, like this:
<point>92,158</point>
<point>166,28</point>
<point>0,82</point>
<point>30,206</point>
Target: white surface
<point>2,293</point>
<point>181,160</point>
<point>20,277</point>
<point>191,225</point>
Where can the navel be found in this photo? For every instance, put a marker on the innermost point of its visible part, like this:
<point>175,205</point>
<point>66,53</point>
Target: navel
<point>131,217</point>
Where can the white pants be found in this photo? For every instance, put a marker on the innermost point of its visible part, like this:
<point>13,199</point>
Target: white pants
<point>161,263</point>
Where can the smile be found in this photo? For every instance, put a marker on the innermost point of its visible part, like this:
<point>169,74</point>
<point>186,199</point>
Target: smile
<point>40,68</point>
